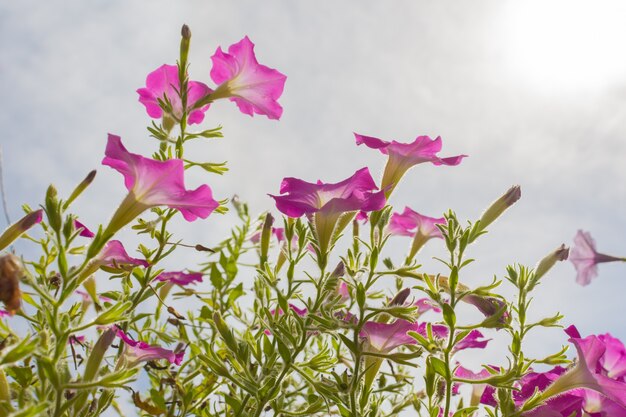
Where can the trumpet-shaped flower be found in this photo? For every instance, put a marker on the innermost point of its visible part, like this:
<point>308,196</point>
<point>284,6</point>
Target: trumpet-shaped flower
<point>164,84</point>
<point>114,256</point>
<point>154,183</point>
<point>326,202</point>
<point>179,277</point>
<point>585,257</point>
<point>385,337</point>
<point>403,156</point>
<point>141,351</point>
<point>600,369</point>
<point>255,88</point>
<point>421,228</point>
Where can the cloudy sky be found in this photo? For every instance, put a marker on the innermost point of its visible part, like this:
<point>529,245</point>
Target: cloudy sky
<point>533,91</point>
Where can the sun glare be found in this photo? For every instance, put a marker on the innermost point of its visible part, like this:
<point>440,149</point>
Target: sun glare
<point>567,44</point>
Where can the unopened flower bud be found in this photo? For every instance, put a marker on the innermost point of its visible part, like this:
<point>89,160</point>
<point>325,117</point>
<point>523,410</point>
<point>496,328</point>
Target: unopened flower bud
<point>10,274</point>
<point>185,32</point>
<point>16,229</point>
<point>80,188</point>
<point>266,234</point>
<point>559,254</point>
<point>339,270</point>
<point>97,353</point>
<point>499,206</point>
<point>401,297</point>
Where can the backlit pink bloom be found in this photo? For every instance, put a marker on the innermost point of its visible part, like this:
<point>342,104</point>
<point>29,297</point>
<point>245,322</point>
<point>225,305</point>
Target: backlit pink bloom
<point>599,368</point>
<point>426,304</point>
<point>114,256</point>
<point>481,393</point>
<point>180,278</point>
<point>164,83</point>
<point>385,337</point>
<point>585,257</point>
<point>343,291</point>
<point>326,202</point>
<point>154,183</point>
<point>141,351</point>
<point>279,232</point>
<point>83,229</point>
<point>473,340</point>
<point>4,313</point>
<point>76,339</point>
<point>403,156</point>
<point>255,88</point>
<point>421,228</point>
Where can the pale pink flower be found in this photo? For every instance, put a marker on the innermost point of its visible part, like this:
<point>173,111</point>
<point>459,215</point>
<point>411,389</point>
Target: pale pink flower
<point>585,257</point>
<point>163,83</point>
<point>403,156</point>
<point>255,88</point>
<point>154,183</point>
<point>421,228</point>
<point>426,304</point>
<point>141,351</point>
<point>179,277</point>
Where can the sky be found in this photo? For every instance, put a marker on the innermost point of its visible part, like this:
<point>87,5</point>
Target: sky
<point>532,91</point>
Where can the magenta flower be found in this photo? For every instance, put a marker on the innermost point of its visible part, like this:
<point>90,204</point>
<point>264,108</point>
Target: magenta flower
<point>385,337</point>
<point>421,228</point>
<point>481,393</point>
<point>426,304</point>
<point>473,340</point>
<point>114,256</point>
<point>326,202</point>
<point>585,257</point>
<point>84,231</point>
<point>599,368</point>
<point>255,88</point>
<point>403,156</point>
<point>164,84</point>
<point>180,278</point>
<point>154,183</point>
<point>343,291</point>
<point>279,232</point>
<point>141,351</point>
<point>4,313</point>
<point>73,339</point>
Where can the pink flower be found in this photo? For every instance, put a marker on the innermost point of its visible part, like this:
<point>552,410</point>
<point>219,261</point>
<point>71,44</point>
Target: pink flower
<point>279,232</point>
<point>180,278</point>
<point>599,368</point>
<point>473,340</point>
<point>114,256</point>
<point>84,232</point>
<point>4,313</point>
<point>76,339</point>
<point>585,257</point>
<point>163,83</point>
<point>255,88</point>
<point>403,156</point>
<point>343,291</point>
<point>481,393</point>
<point>385,337</point>
<point>326,202</point>
<point>302,312</point>
<point>141,351</point>
<point>352,194</point>
<point>426,304</point>
<point>154,183</point>
<point>421,228</point>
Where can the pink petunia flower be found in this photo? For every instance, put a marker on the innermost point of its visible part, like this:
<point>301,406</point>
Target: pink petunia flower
<point>426,304</point>
<point>279,232</point>
<point>421,228</point>
<point>403,156</point>
<point>385,337</point>
<point>154,183</point>
<point>141,351</point>
<point>255,88</point>
<point>163,83</point>
<point>114,256</point>
<point>481,393</point>
<point>599,368</point>
<point>84,231</point>
<point>326,202</point>
<point>585,257</point>
<point>179,277</point>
